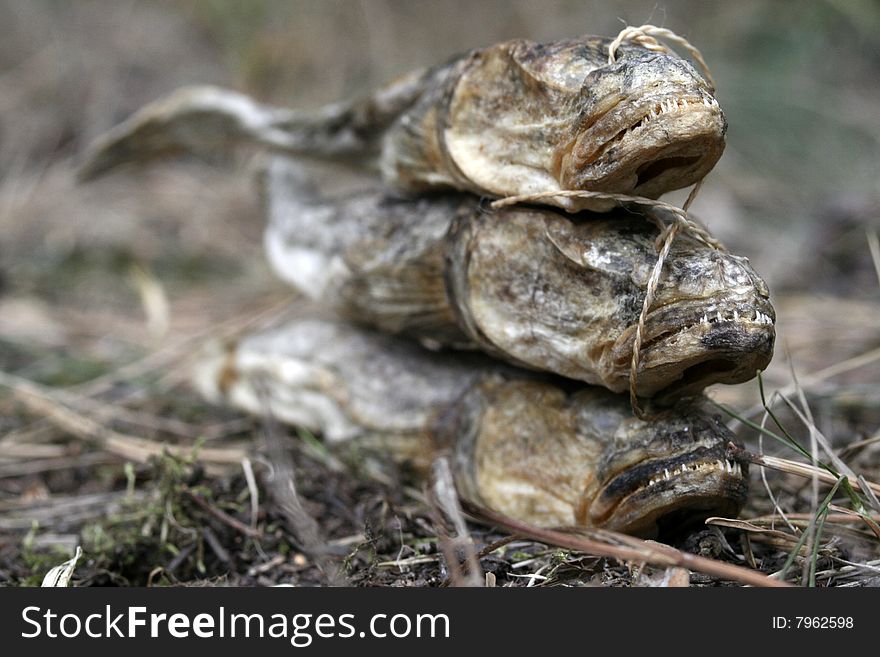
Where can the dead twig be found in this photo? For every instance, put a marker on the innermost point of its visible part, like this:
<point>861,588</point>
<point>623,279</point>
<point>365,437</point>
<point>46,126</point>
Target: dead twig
<point>443,500</point>
<point>281,487</point>
<point>774,537</point>
<point>40,401</point>
<point>611,544</point>
<point>495,545</point>
<point>253,491</point>
<point>223,517</point>
<point>63,511</point>
<point>180,349</point>
<point>804,470</point>
<point>39,466</point>
<point>215,544</point>
<point>823,476</point>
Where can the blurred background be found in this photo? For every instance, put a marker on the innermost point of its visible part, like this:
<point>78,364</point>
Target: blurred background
<point>796,189</point>
<point>96,276</point>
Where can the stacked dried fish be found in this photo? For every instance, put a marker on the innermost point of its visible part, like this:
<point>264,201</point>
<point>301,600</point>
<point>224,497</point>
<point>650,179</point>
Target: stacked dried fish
<point>537,449</point>
<point>534,286</point>
<point>555,290</point>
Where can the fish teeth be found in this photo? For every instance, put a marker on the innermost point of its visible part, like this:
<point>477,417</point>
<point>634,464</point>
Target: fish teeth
<point>761,318</point>
<point>732,467</point>
<point>724,465</point>
<point>733,316</point>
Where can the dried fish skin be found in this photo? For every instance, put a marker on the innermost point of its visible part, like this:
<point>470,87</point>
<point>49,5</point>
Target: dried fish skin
<point>375,258</point>
<point>521,117</point>
<point>327,375</point>
<point>517,117</point>
<point>209,122</point>
<point>528,446</point>
<point>534,286</point>
<point>563,293</point>
<point>552,456</point>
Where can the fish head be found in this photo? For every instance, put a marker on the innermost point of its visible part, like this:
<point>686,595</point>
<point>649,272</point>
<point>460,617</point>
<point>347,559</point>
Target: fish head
<point>665,474</point>
<point>552,456</point>
<point>646,124</point>
<point>711,319</point>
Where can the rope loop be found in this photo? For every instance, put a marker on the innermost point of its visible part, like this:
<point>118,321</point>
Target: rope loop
<point>647,37</point>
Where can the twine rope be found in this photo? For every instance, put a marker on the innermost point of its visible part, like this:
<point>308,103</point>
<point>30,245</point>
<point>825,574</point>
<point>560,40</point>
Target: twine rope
<point>647,35</point>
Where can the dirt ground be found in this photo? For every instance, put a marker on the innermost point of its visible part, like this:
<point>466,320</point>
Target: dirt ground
<point>108,290</point>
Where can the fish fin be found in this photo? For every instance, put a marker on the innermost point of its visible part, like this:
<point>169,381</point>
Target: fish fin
<point>565,238</point>
<point>206,120</point>
<point>414,155</point>
<point>197,120</point>
<point>408,299</point>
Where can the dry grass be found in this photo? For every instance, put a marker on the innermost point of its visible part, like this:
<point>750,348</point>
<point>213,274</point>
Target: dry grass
<point>107,290</point>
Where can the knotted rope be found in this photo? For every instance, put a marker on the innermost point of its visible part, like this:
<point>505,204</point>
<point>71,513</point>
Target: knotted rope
<point>646,36</point>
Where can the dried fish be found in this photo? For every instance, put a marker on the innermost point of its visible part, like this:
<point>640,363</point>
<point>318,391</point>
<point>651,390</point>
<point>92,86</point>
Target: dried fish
<point>534,286</point>
<point>528,446</point>
<point>514,118</point>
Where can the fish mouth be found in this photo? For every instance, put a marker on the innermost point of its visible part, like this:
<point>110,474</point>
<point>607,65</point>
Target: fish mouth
<point>684,350</point>
<point>669,494</point>
<point>646,146</point>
